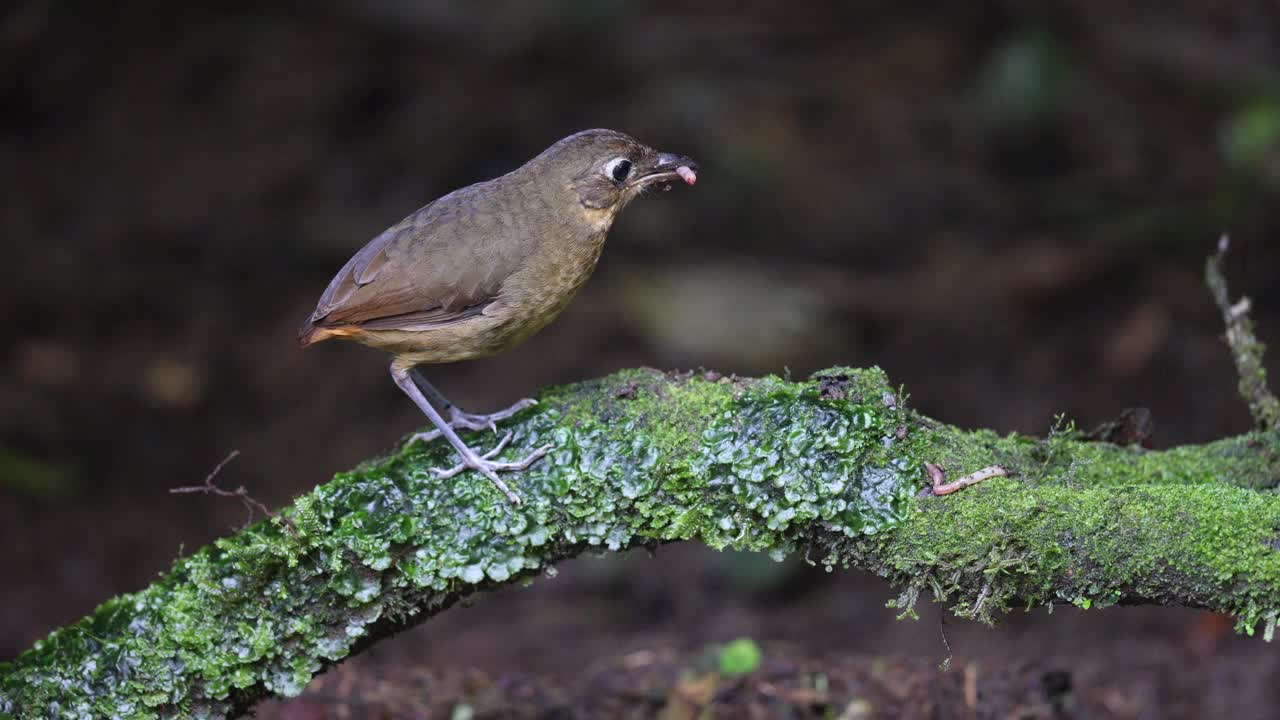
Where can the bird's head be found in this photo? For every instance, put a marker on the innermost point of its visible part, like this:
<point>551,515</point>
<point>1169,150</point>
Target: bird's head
<point>606,168</point>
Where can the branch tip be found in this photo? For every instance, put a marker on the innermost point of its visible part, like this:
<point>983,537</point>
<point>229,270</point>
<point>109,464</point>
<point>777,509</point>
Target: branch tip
<point>1246,350</point>
<point>209,488</point>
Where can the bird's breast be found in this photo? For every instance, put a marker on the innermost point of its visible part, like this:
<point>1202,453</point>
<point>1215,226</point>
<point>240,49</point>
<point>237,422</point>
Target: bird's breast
<point>540,290</point>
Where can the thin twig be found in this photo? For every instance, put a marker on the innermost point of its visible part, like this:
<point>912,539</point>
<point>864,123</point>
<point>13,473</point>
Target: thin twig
<point>1246,350</point>
<point>208,488</point>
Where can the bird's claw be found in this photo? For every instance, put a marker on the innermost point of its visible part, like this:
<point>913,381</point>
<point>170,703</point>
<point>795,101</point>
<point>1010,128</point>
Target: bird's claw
<point>474,422</point>
<point>471,421</point>
<point>484,463</point>
<point>424,437</point>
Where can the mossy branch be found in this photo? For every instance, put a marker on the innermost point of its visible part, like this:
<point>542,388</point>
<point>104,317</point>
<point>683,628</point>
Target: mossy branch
<point>827,468</point>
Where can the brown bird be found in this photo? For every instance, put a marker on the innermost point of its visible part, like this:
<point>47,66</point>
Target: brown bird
<point>481,269</point>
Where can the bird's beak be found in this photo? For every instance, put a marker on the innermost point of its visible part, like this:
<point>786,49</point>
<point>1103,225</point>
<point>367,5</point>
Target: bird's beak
<point>670,167</point>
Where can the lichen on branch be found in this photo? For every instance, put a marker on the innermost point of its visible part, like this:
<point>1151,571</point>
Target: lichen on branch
<point>640,457</point>
<point>828,467</point>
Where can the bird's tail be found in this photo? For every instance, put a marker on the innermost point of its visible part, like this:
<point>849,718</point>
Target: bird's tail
<point>310,333</point>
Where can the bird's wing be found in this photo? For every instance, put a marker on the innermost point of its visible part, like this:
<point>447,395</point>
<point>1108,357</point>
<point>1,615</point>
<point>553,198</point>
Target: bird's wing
<point>439,265</point>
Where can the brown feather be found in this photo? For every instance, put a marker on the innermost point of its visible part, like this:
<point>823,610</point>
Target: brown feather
<point>433,267</point>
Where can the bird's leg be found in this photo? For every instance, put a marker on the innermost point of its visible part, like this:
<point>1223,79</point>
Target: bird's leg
<point>459,418</point>
<point>470,459</point>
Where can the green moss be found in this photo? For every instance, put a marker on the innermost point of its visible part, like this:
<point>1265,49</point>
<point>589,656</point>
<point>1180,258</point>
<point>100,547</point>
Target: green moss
<point>638,457</point>
<point>1050,544</point>
<point>1251,460</point>
<point>829,465</point>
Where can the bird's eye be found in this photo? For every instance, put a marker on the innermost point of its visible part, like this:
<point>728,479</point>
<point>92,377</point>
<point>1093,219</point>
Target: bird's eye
<point>617,169</point>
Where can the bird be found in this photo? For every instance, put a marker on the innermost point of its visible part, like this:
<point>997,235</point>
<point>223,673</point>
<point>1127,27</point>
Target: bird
<point>481,269</point>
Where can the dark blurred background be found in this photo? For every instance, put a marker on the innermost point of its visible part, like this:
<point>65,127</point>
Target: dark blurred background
<point>1005,205</point>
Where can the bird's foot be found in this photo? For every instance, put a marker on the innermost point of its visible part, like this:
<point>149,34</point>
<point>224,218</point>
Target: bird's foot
<point>472,421</point>
<point>485,464</point>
